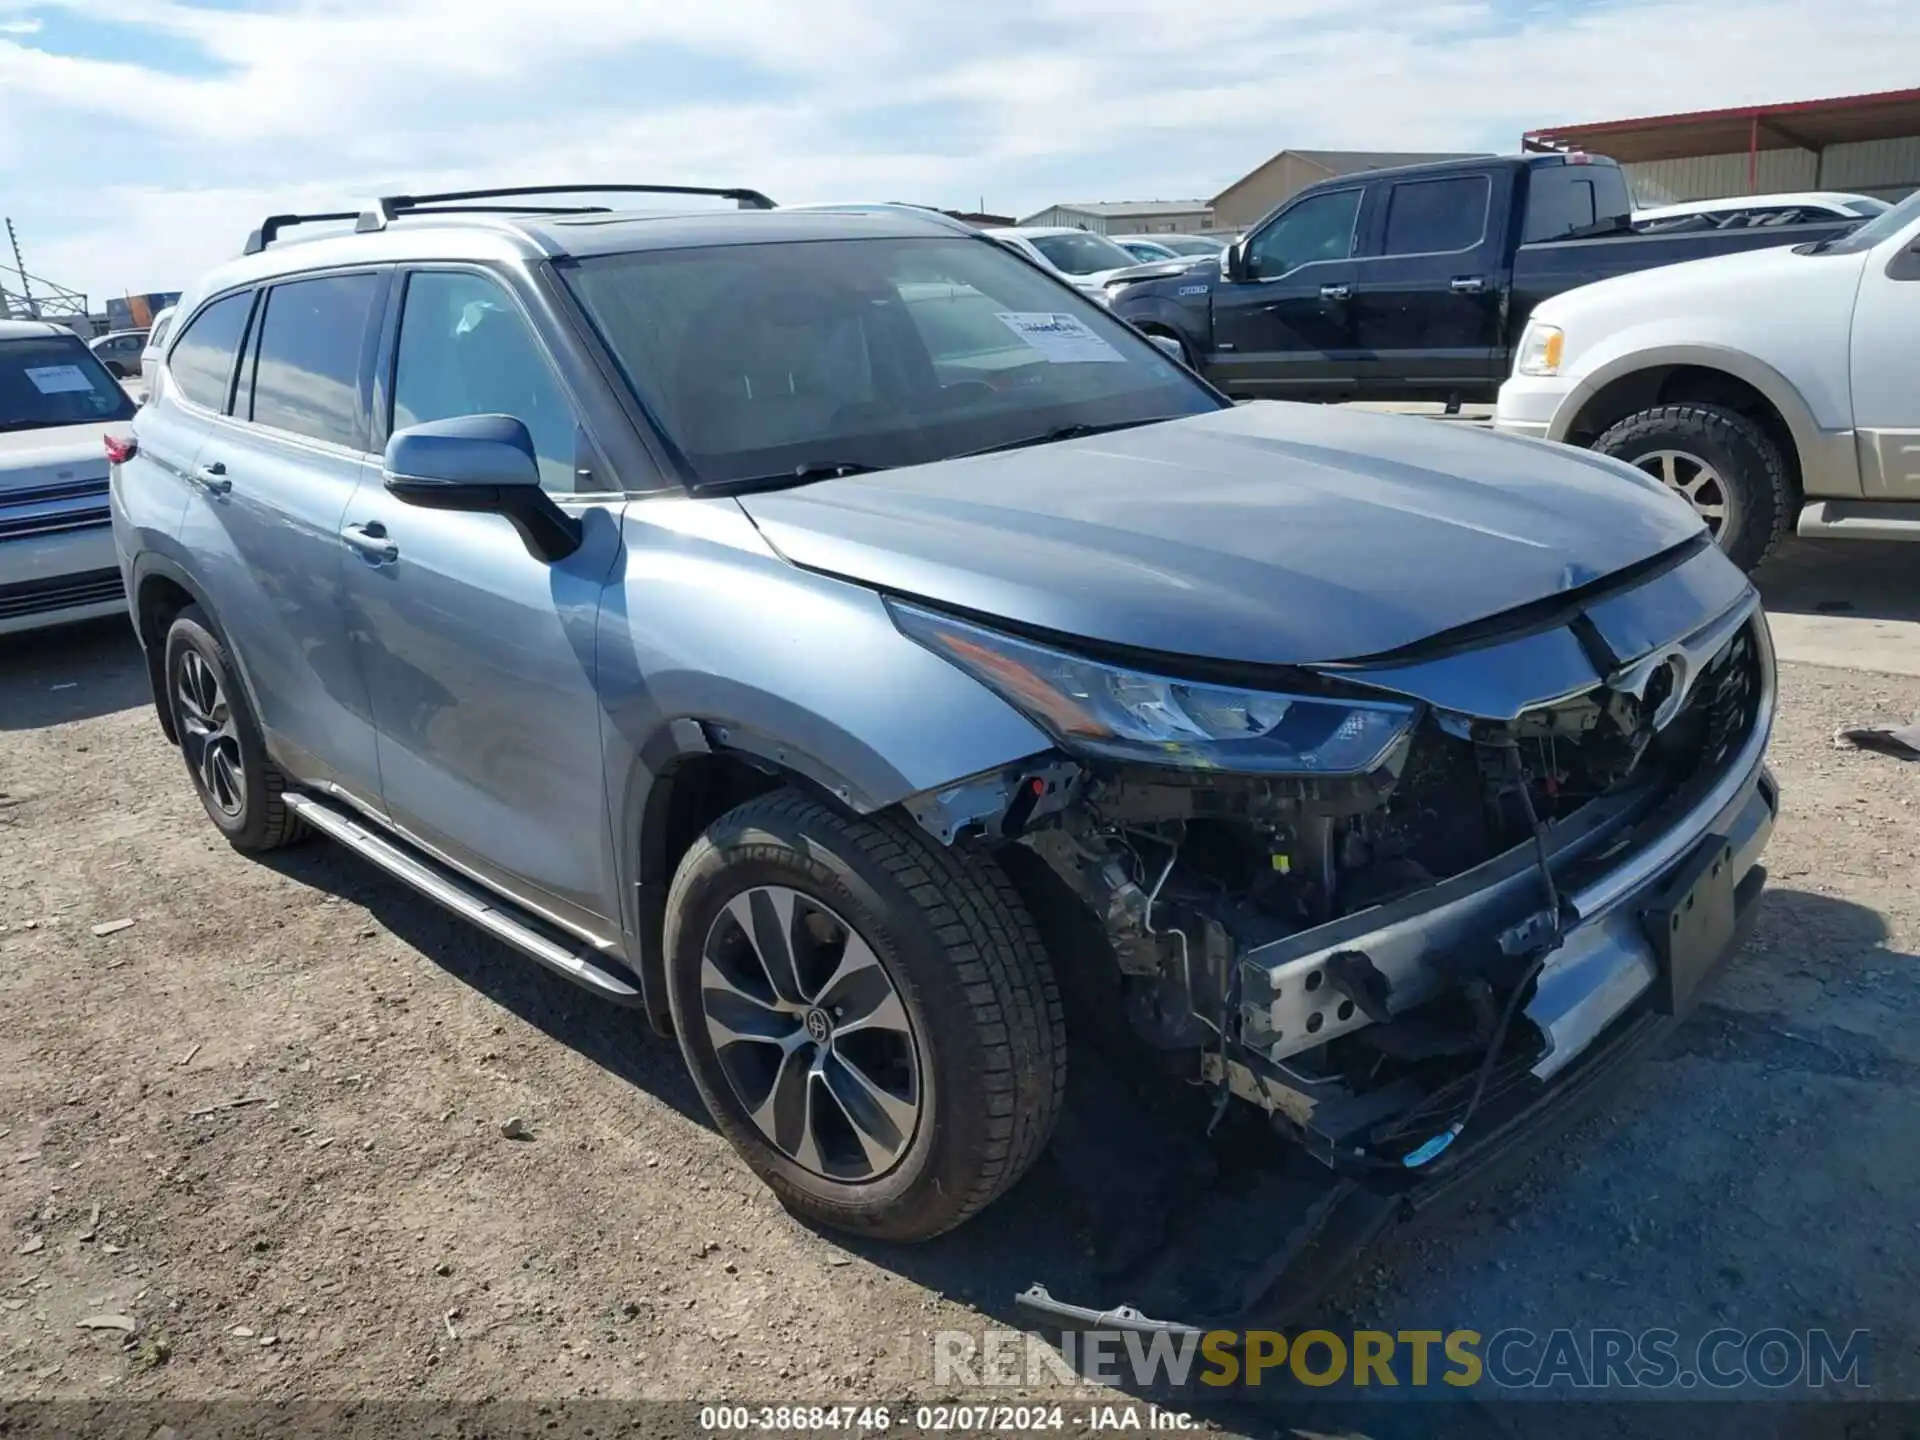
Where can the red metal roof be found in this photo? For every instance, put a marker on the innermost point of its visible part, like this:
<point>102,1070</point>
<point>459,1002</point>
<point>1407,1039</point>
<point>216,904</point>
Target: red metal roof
<point>1802,125</point>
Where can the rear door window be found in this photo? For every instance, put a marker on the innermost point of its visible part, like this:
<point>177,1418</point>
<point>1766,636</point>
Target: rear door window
<point>306,375</point>
<point>1427,217</point>
<point>201,364</point>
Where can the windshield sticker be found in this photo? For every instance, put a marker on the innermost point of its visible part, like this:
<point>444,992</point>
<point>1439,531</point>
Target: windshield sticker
<point>58,379</point>
<point>1060,339</point>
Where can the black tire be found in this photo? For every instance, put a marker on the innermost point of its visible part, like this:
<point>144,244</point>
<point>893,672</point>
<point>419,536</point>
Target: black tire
<point>252,814</point>
<point>1759,492</point>
<point>1186,351</point>
<point>116,370</point>
<point>964,960</point>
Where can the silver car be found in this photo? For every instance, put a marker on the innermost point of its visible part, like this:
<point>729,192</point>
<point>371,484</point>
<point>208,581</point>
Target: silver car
<point>58,405</point>
<point>838,638</point>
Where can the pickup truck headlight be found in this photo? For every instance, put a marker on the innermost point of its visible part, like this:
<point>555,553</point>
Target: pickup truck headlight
<point>1098,709</point>
<point>1540,350</point>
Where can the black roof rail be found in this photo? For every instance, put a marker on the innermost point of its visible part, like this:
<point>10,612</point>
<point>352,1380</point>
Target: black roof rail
<point>271,227</point>
<point>388,208</point>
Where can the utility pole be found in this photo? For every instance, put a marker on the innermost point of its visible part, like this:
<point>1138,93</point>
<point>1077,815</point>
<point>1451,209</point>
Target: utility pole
<point>20,268</point>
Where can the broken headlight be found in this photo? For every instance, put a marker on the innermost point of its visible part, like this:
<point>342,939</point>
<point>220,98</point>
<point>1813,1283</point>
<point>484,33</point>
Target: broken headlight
<point>1095,708</point>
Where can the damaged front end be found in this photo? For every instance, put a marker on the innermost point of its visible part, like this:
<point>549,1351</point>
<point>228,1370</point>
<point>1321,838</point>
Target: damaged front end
<point>1378,899</point>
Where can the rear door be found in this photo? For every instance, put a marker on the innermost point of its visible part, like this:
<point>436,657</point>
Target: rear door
<point>160,481</point>
<point>1287,328</point>
<point>1428,294</point>
<point>272,479</point>
<point>480,656</point>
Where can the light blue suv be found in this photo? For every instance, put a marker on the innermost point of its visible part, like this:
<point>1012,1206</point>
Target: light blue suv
<point>827,632</point>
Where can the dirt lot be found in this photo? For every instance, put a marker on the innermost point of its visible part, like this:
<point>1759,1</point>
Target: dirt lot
<point>263,1121</point>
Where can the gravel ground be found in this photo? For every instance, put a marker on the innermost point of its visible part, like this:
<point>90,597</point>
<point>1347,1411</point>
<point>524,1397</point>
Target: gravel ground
<point>263,1121</point>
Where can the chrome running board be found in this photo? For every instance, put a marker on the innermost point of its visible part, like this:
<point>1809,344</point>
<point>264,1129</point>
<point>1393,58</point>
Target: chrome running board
<point>465,899</point>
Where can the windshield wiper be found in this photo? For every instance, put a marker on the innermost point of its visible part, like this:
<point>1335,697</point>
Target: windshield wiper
<point>805,474</point>
<point>1063,432</point>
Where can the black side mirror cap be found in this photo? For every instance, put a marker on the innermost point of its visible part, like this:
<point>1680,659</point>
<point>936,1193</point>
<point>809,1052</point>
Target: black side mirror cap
<point>482,464</point>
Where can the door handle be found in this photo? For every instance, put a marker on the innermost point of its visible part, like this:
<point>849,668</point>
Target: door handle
<point>212,478</point>
<point>1336,292</point>
<point>1467,285</point>
<point>371,540</point>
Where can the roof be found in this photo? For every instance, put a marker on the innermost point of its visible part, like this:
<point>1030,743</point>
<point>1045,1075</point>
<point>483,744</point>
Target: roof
<point>1349,162</point>
<point>1802,125</point>
<point>1834,199</point>
<point>30,329</point>
<point>505,236</point>
<point>1120,209</point>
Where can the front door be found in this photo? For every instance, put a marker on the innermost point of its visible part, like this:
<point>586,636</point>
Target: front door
<point>1285,329</point>
<point>1886,390</point>
<point>479,657</point>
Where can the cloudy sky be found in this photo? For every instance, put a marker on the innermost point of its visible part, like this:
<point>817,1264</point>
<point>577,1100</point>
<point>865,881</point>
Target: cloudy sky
<point>141,139</point>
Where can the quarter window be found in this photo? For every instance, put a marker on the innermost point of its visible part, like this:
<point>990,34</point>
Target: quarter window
<point>306,376</point>
<point>201,363</point>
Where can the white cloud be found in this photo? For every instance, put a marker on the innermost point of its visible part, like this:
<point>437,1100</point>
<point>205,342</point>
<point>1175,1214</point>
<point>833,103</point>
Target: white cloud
<point>125,172</point>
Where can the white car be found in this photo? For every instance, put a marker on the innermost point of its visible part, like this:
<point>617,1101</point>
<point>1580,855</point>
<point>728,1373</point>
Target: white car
<point>58,406</point>
<point>1197,247</point>
<point>1768,388</point>
<point>1801,205</point>
<point>1084,260</point>
<point>156,342</point>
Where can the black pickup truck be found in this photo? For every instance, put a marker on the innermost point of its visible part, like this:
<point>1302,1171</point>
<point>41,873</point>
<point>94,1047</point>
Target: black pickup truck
<point>1412,283</point>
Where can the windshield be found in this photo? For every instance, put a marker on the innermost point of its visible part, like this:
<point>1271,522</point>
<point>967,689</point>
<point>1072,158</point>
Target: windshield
<point>1081,254</point>
<point>1884,226</point>
<point>761,360</point>
<point>49,380</point>
<point>1147,250</point>
<point>1866,205</point>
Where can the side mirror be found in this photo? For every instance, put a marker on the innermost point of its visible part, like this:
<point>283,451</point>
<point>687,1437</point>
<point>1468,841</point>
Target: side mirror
<point>482,464</point>
<point>1233,262</point>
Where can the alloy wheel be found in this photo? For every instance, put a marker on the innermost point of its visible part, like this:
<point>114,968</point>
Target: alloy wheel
<point>812,1035</point>
<point>208,736</point>
<point>1695,481</point>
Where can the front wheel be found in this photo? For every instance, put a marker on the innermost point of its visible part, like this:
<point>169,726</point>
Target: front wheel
<point>1721,463</point>
<point>870,1018</point>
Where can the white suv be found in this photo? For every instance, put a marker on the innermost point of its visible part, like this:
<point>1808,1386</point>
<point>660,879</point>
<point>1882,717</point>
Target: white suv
<point>1760,386</point>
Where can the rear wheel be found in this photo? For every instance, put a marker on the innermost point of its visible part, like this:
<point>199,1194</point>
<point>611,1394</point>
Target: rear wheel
<point>226,757</point>
<point>1721,463</point>
<point>870,1018</point>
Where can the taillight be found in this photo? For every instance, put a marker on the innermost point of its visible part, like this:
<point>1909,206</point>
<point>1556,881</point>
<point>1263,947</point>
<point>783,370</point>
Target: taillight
<point>120,448</point>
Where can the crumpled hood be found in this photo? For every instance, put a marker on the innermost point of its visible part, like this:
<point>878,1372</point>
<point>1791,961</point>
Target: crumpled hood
<point>30,459</point>
<point>1269,533</point>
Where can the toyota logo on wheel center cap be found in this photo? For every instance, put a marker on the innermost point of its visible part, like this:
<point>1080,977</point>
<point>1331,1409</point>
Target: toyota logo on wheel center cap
<point>819,1027</point>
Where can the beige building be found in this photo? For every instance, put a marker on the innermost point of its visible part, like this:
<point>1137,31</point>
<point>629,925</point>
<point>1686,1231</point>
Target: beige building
<point>1127,217</point>
<point>1291,171</point>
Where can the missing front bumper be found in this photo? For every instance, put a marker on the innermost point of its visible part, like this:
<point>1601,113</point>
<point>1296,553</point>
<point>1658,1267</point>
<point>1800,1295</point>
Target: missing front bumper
<point>1348,1215</point>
